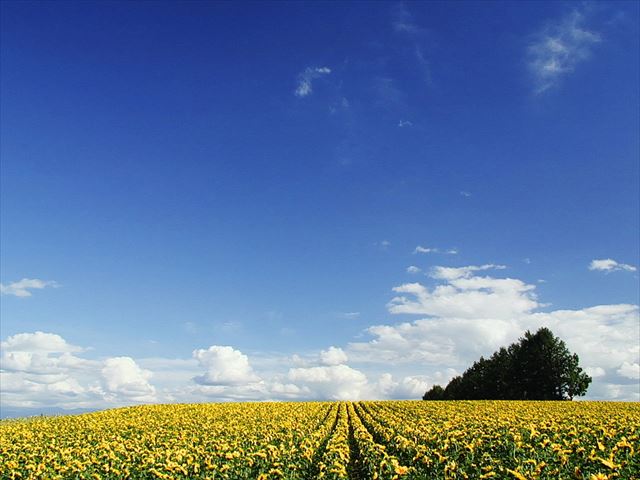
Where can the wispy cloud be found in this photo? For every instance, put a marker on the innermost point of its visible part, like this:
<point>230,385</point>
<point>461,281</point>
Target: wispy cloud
<point>404,24</point>
<point>403,21</point>
<point>608,265</point>
<point>383,245</point>
<point>306,78</point>
<point>558,48</point>
<point>388,95</point>
<point>464,193</point>
<point>405,123</point>
<point>22,288</point>
<point>452,273</point>
<point>421,249</point>
<point>413,269</point>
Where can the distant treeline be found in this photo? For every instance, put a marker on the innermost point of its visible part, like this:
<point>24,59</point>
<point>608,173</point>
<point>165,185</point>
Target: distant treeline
<point>538,367</point>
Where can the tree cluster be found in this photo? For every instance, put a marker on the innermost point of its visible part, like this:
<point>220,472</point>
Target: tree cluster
<point>538,367</point>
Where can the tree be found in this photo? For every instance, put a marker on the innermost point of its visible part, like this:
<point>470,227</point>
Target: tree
<point>538,367</point>
<point>546,368</point>
<point>435,393</point>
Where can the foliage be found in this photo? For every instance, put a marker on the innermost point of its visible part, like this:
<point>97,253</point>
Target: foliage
<point>393,440</point>
<point>538,367</point>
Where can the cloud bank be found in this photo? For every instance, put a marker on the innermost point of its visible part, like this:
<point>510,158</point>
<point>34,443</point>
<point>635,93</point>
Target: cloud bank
<point>464,314</point>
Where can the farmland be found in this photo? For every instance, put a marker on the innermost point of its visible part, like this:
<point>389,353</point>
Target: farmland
<point>331,440</point>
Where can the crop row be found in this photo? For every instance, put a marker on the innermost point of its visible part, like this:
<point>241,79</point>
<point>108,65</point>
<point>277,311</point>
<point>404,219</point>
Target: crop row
<point>330,440</point>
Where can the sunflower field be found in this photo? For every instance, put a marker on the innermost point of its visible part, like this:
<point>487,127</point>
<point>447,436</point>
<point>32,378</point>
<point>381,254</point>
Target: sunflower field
<point>330,440</point>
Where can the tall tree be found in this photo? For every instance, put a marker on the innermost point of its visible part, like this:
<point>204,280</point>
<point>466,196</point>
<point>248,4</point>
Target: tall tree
<point>538,367</point>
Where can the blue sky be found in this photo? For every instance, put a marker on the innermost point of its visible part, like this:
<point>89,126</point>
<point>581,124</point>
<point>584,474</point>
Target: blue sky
<point>257,177</point>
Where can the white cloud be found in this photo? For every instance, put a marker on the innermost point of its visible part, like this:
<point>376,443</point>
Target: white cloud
<point>595,372</point>
<point>224,366</point>
<point>463,316</point>
<point>608,265</point>
<point>41,370</point>
<point>405,123</point>
<point>21,287</point>
<point>629,370</point>
<point>333,356</point>
<point>465,193</point>
<point>475,297</point>
<point>421,249</point>
<point>122,377</point>
<point>408,387</point>
<point>413,269</point>
<point>558,49</point>
<point>467,316</point>
<point>306,78</point>
<point>350,315</point>
<point>451,273</point>
<point>40,342</point>
<point>225,393</point>
<point>334,382</point>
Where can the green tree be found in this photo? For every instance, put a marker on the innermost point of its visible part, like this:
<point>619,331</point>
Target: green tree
<point>546,369</point>
<point>538,367</point>
<point>435,393</point>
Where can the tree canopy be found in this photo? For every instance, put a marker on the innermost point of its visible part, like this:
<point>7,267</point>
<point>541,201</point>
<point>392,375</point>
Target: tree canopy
<point>538,367</point>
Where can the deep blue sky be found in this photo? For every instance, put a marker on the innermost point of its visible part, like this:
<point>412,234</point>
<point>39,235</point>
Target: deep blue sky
<point>158,165</point>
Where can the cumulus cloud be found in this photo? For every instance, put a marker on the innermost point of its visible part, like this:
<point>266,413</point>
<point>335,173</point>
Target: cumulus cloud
<point>306,78</point>
<point>41,370</point>
<point>413,269</point>
<point>608,265</point>
<point>40,342</point>
<point>629,370</point>
<point>468,315</point>
<point>22,288</point>
<point>123,377</point>
<point>333,356</point>
<point>408,387</point>
<point>558,49</point>
<point>474,297</point>
<point>334,382</point>
<point>595,372</point>
<point>224,366</point>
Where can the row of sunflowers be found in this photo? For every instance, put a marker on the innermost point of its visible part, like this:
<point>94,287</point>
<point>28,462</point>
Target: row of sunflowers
<point>385,440</point>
